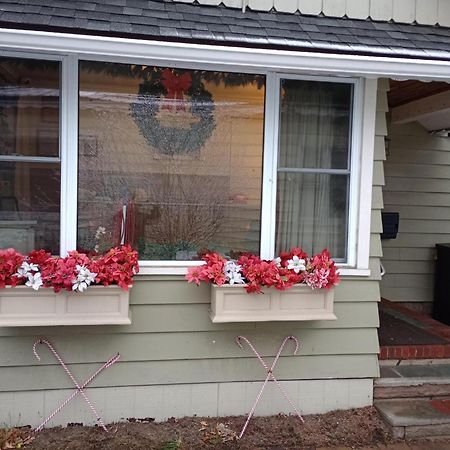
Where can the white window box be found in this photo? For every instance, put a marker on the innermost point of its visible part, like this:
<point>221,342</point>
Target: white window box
<point>98,305</point>
<point>233,304</point>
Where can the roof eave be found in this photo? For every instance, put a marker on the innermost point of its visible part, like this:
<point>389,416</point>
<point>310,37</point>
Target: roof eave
<point>425,65</point>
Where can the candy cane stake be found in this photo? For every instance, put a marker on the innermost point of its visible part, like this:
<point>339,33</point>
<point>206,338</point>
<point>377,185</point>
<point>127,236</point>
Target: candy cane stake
<point>79,388</point>
<point>270,376</point>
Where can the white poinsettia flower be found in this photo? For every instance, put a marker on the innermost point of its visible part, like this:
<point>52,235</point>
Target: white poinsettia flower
<point>27,268</point>
<point>232,272</point>
<point>235,278</point>
<point>277,261</point>
<point>296,264</point>
<point>79,286</point>
<point>231,267</point>
<point>34,280</point>
<point>84,278</point>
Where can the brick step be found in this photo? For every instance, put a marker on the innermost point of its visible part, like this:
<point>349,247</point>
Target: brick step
<point>414,419</point>
<point>408,352</point>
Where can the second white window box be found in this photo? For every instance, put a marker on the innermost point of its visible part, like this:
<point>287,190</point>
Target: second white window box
<point>234,304</point>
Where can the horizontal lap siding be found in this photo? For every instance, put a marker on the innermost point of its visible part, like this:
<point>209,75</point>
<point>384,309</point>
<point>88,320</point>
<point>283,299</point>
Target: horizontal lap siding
<point>376,250</point>
<point>418,188</point>
<point>148,373</point>
<point>172,340</point>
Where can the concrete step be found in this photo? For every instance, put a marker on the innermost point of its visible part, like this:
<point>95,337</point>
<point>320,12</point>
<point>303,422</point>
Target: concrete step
<point>414,419</point>
<point>394,388</point>
<point>413,381</point>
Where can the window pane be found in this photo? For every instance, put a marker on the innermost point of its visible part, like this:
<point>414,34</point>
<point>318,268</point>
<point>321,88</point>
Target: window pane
<point>315,122</point>
<point>29,205</point>
<point>312,212</point>
<point>29,107</point>
<point>169,160</point>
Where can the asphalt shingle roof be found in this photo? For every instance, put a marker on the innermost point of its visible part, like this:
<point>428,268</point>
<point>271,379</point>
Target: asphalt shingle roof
<point>166,20</point>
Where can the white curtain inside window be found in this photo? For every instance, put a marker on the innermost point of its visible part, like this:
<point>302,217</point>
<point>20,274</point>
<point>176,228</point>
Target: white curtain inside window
<point>314,129</point>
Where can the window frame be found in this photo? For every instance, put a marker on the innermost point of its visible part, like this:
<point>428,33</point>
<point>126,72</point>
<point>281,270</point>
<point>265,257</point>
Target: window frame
<point>363,128</point>
<point>270,169</point>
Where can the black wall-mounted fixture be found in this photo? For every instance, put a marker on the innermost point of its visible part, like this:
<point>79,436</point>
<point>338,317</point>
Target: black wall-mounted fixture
<point>391,222</point>
<point>441,304</point>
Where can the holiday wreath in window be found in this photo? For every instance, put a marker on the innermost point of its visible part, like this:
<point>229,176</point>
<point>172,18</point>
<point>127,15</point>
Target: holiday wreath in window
<point>303,286</point>
<point>174,91</point>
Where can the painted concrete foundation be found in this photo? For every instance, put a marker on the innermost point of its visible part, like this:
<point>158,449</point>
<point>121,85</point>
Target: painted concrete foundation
<point>162,402</point>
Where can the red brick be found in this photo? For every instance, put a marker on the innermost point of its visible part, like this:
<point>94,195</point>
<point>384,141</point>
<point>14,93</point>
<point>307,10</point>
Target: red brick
<point>383,353</point>
<point>438,351</point>
<point>420,351</point>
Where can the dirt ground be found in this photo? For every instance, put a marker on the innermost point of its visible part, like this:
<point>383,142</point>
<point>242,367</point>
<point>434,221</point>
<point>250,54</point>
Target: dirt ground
<point>354,428</point>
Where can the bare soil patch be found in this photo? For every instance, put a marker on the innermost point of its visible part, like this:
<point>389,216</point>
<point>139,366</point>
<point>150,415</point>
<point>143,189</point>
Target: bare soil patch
<point>353,428</point>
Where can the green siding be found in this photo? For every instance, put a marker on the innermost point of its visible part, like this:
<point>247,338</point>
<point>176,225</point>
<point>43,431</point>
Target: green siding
<point>184,371</point>
<point>418,187</point>
<point>172,340</point>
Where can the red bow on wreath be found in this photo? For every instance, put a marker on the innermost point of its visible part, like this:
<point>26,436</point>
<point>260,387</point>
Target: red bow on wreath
<point>176,86</point>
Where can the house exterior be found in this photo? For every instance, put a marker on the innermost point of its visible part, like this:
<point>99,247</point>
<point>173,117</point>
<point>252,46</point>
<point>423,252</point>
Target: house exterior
<point>96,119</point>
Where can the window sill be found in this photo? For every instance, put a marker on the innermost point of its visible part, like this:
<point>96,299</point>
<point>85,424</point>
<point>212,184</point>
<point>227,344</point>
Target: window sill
<point>180,268</point>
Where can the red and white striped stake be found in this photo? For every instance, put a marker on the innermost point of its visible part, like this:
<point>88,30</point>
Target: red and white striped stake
<point>79,388</point>
<point>270,376</point>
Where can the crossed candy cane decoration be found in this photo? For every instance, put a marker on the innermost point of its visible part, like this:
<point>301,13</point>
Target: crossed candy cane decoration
<point>79,389</point>
<point>270,376</point>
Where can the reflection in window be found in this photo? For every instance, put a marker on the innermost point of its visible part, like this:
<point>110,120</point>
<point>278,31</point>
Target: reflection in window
<point>29,126</point>
<point>169,160</point>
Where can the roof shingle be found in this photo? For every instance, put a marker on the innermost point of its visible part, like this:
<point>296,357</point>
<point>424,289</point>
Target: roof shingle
<point>167,20</point>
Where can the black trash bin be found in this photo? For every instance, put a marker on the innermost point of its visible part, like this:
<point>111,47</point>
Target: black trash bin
<point>441,304</point>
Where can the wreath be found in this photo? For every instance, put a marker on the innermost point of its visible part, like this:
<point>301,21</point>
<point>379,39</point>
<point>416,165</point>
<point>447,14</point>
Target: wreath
<point>174,90</point>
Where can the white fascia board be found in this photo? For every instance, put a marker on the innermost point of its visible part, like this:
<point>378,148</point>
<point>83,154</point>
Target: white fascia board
<point>217,56</point>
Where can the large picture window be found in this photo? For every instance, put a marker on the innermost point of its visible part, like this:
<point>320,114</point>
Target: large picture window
<point>169,160</point>
<point>176,161</point>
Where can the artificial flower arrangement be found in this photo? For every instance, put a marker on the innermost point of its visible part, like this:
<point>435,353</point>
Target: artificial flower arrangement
<point>290,268</point>
<point>75,272</point>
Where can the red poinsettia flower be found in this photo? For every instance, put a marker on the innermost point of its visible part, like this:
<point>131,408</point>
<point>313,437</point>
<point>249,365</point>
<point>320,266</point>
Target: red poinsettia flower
<point>10,262</point>
<point>116,267</point>
<point>293,267</point>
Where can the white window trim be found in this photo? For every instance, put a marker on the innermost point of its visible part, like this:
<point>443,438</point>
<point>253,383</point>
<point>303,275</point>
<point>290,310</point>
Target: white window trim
<point>69,153</point>
<point>271,148</point>
<point>70,48</point>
